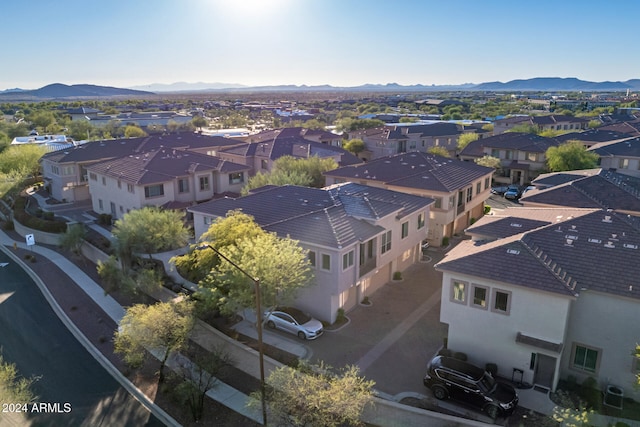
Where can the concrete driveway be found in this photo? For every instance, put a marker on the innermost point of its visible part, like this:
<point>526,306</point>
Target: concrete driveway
<point>392,339</point>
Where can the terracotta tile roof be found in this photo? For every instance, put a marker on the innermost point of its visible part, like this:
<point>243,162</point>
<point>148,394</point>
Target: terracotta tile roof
<point>161,165</point>
<point>416,170</point>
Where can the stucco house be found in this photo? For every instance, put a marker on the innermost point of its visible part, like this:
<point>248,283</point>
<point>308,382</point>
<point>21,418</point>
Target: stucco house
<point>555,122</point>
<point>522,155</point>
<point>165,177</point>
<point>623,155</point>
<point>458,188</point>
<point>407,137</point>
<point>547,294</point>
<point>65,171</point>
<point>357,236</point>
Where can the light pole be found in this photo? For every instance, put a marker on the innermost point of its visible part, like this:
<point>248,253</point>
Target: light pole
<point>256,282</point>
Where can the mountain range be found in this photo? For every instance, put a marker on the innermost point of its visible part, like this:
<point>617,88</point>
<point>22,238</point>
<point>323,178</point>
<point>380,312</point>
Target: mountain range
<point>538,84</point>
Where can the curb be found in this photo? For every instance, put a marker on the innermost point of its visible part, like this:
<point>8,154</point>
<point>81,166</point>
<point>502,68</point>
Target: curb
<point>82,339</point>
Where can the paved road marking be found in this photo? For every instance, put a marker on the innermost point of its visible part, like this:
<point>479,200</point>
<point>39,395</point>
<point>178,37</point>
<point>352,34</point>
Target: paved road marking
<point>397,333</point>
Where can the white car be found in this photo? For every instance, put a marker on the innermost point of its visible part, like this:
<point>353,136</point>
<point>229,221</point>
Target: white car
<point>295,322</point>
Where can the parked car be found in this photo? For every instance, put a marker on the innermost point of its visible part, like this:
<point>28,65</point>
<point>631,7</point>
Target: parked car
<point>452,378</point>
<point>513,192</point>
<point>294,321</point>
<point>529,188</point>
<point>499,190</point>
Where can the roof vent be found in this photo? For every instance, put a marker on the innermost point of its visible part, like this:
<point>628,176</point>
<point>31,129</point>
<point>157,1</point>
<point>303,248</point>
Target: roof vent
<point>609,244</point>
<point>569,242</point>
<point>515,224</point>
<point>630,246</point>
<point>607,218</point>
<point>513,251</point>
<point>595,240</point>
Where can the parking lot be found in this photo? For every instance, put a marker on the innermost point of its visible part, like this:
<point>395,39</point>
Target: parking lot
<point>392,339</point>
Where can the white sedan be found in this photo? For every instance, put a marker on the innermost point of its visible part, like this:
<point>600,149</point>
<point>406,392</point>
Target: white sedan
<point>294,321</point>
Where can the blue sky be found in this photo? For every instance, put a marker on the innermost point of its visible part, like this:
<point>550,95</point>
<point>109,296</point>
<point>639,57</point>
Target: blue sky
<point>127,43</point>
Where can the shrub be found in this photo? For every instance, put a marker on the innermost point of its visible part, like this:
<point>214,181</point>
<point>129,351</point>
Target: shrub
<point>340,317</point>
<point>9,225</point>
<point>472,221</point>
<point>397,275</point>
<point>23,217</point>
<point>366,301</point>
<point>48,216</point>
<point>487,209</point>
<point>445,241</point>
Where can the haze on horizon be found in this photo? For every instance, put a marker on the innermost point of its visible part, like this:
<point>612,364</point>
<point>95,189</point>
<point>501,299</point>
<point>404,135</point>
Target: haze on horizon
<point>126,43</point>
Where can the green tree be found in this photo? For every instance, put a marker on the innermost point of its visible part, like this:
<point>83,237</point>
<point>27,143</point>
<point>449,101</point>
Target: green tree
<point>313,166</point>
<point>73,238</point>
<point>132,131</point>
<point>163,327</point>
<point>223,232</point>
<point>571,155</point>
<point>350,124</point>
<point>313,396</point>
<point>594,124</point>
<point>525,128</point>
<point>199,122</point>
<point>42,119</point>
<point>489,161</point>
<point>439,151</point>
<point>465,139</point>
<point>13,387</point>
<point>114,278</point>
<point>280,263</point>
<point>276,178</point>
<point>21,159</point>
<point>150,230</point>
<point>80,130</point>
<point>354,146</point>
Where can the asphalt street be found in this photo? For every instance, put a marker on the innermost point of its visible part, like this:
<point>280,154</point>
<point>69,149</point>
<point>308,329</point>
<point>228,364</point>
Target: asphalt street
<point>33,337</point>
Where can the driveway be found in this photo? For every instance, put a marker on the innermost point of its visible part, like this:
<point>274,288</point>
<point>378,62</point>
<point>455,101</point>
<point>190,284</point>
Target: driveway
<point>392,339</point>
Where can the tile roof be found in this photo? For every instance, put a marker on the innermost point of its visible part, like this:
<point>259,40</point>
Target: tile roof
<point>161,165</point>
<point>592,135</point>
<point>520,141</point>
<point>625,148</point>
<point>557,178</point>
<point>597,251</point>
<point>335,216</point>
<point>416,170</point>
<point>604,189</point>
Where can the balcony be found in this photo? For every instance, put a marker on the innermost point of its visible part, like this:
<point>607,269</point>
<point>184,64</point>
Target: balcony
<point>368,266</point>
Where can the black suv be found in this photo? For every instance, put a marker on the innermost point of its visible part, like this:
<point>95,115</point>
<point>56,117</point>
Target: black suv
<point>449,377</point>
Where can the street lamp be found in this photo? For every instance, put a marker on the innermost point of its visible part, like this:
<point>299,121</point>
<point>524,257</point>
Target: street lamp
<point>256,282</point>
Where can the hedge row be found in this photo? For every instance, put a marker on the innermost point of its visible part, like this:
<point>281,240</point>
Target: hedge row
<point>23,217</point>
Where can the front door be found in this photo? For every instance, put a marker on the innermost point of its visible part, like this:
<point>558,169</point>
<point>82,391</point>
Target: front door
<point>545,370</point>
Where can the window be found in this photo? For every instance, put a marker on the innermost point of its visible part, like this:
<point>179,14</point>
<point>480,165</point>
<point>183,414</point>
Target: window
<point>104,181</point>
<point>204,183</point>
<point>183,185</point>
<point>501,301</point>
<point>236,178</point>
<point>469,194</point>
<point>420,221</point>
<point>93,176</point>
<point>312,259</point>
<point>452,201</point>
<point>130,188</point>
<point>459,292</point>
<point>508,154</point>
<point>68,170</point>
<point>405,229</point>
<point>326,262</point>
<point>438,203</point>
<point>480,294</point>
<point>385,242</point>
<point>55,170</point>
<point>478,188</point>
<point>264,164</point>
<point>153,191</point>
<point>585,358</point>
<point>119,184</point>
<point>347,260</point>
<point>207,220</point>
<point>532,157</point>
<point>495,153</point>
<point>487,183</point>
<point>624,163</point>
<point>100,204</point>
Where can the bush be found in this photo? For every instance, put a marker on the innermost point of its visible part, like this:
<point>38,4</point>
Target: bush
<point>9,226</point>
<point>445,241</point>
<point>105,219</point>
<point>397,275</point>
<point>340,317</point>
<point>23,217</point>
<point>472,221</point>
<point>487,209</point>
<point>48,216</point>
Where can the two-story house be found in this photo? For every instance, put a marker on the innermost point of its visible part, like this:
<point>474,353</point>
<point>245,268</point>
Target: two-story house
<point>623,156</point>
<point>356,236</point>
<point>315,135</point>
<point>547,294</point>
<point>553,122</point>
<point>522,155</point>
<point>65,171</point>
<point>407,137</point>
<point>170,178</point>
<point>458,188</point>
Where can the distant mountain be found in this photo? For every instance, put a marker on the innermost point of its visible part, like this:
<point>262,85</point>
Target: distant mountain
<point>187,87</point>
<point>59,90</point>
<point>538,84</point>
<point>558,84</point>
